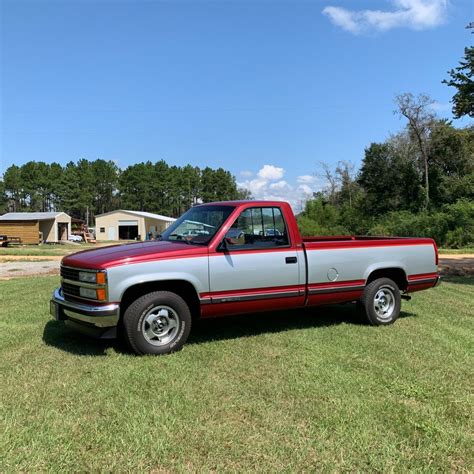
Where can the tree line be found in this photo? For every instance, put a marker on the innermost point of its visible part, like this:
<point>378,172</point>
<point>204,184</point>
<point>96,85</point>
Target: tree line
<point>86,188</point>
<point>398,190</point>
<point>418,182</point>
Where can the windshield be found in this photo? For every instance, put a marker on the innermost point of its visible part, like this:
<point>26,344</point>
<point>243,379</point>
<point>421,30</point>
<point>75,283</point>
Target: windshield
<point>198,225</point>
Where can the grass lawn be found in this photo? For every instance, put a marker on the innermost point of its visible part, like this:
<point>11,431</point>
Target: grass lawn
<point>456,251</point>
<point>293,391</point>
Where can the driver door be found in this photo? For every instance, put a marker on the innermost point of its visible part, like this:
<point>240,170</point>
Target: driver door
<point>258,267</point>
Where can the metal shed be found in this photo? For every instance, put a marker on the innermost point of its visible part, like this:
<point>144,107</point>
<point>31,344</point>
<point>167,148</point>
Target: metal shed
<point>36,227</point>
<point>130,225</point>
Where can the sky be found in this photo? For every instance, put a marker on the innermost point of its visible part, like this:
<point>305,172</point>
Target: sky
<point>266,89</point>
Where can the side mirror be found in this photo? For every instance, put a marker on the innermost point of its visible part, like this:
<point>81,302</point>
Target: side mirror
<point>223,247</point>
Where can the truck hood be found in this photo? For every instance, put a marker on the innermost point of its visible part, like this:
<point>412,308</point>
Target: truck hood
<point>105,257</point>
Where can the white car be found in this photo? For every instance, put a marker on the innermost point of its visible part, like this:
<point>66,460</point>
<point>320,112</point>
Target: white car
<point>75,238</point>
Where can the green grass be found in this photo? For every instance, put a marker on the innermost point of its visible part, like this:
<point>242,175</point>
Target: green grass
<point>309,390</point>
<point>43,250</point>
<point>51,250</point>
<point>457,251</point>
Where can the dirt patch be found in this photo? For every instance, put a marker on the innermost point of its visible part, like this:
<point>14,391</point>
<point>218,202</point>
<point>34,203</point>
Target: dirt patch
<point>457,265</point>
<point>31,268</point>
<point>29,258</point>
<point>456,256</point>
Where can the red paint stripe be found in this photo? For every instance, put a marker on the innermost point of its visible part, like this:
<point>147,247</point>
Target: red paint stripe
<point>353,244</point>
<point>421,276</point>
<point>338,284</point>
<point>334,297</point>
<point>277,289</point>
<point>423,286</point>
<point>252,291</point>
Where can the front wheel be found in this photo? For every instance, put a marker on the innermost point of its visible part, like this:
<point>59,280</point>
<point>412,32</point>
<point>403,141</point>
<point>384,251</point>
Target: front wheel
<point>157,323</point>
<point>381,302</point>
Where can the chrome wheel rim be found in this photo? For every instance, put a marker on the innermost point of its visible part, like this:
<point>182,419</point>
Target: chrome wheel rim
<point>160,325</point>
<point>384,303</point>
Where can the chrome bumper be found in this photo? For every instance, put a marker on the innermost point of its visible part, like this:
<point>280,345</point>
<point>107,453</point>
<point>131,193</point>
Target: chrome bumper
<point>100,316</point>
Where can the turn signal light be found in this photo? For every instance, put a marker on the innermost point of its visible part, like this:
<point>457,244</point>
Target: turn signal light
<point>100,278</point>
<point>101,294</point>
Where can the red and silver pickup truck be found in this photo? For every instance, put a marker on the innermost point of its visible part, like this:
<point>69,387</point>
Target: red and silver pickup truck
<point>228,258</point>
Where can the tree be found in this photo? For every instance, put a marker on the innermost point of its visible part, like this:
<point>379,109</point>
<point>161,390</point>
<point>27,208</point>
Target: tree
<point>55,178</point>
<point>331,180</point>
<point>320,217</point>
<point>347,183</point>
<point>420,118</point>
<point>136,187</point>
<point>13,187</point>
<point>452,163</point>
<point>244,194</point>
<point>104,180</point>
<point>3,198</point>
<point>462,81</point>
<point>389,178</point>
<point>377,179</point>
<point>87,188</point>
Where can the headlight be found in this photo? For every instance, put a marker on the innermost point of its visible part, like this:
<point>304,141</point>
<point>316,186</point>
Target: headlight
<point>88,277</point>
<point>88,293</point>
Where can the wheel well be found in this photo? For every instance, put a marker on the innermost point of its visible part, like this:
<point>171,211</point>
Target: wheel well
<point>181,287</point>
<point>395,274</point>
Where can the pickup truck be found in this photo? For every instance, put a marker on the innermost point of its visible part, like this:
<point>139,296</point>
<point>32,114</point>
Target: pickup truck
<point>228,258</point>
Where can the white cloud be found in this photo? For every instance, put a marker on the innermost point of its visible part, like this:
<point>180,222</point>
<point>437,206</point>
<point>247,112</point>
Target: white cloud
<point>280,185</point>
<point>268,185</point>
<point>306,179</point>
<point>414,14</point>
<point>246,173</point>
<point>305,189</point>
<point>343,18</point>
<point>271,172</point>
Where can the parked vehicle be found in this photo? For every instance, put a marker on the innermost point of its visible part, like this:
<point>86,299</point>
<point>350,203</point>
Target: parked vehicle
<point>75,238</point>
<point>251,258</point>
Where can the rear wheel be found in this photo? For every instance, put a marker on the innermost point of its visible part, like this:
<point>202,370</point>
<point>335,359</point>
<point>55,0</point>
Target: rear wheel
<point>157,323</point>
<point>381,302</point>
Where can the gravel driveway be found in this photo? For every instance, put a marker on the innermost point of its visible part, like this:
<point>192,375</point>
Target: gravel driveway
<point>9,269</point>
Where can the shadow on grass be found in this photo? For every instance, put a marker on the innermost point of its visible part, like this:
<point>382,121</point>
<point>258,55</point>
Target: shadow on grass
<point>226,328</point>
<point>56,334</point>
<point>458,280</point>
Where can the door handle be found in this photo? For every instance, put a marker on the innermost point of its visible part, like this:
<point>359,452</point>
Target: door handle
<point>291,260</point>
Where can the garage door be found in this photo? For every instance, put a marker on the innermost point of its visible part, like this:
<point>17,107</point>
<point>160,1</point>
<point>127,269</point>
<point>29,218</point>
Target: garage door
<point>128,230</point>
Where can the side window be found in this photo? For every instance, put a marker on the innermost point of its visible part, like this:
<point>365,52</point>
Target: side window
<point>258,227</point>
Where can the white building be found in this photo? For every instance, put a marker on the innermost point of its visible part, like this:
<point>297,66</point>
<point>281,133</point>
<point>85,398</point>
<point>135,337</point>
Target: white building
<point>130,225</point>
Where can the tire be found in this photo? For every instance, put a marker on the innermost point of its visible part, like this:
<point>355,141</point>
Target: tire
<point>157,323</point>
<point>381,302</point>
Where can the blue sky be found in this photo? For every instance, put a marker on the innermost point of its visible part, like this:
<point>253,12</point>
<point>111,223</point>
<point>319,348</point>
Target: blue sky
<point>238,84</point>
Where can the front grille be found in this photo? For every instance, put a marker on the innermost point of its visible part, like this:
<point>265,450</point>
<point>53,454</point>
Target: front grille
<point>71,289</point>
<point>68,289</point>
<point>70,273</point>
